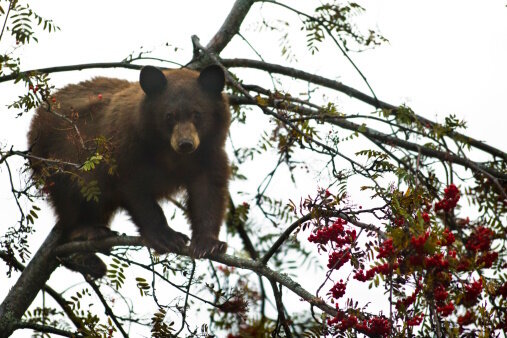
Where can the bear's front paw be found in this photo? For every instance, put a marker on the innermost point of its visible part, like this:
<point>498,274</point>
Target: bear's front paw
<point>165,241</point>
<point>201,246</point>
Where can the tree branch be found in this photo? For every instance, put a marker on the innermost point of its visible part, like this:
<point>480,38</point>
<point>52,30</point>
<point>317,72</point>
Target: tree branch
<point>52,292</point>
<point>33,279</point>
<point>336,85</point>
<point>230,27</point>
<point>45,329</point>
<point>255,266</point>
<point>69,68</point>
<point>376,135</point>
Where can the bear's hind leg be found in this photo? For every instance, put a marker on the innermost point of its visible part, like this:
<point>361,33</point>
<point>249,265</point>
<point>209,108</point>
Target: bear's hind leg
<point>86,262</point>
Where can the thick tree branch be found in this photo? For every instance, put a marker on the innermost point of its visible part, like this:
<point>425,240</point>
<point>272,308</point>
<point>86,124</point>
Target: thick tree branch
<point>230,27</point>
<point>33,279</point>
<point>255,266</point>
<point>336,85</point>
<point>52,292</point>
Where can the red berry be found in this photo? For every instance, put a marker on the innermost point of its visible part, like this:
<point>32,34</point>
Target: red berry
<point>99,96</point>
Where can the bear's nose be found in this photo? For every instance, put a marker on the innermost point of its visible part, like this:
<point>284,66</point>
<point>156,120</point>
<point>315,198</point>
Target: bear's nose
<point>186,146</point>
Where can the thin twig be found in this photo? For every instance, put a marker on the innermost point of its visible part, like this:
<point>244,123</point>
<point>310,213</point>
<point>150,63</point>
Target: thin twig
<point>187,293</point>
<point>280,308</point>
<point>107,308</point>
<point>6,19</point>
<point>328,31</point>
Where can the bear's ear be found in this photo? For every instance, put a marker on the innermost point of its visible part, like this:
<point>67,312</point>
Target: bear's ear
<point>152,80</point>
<point>212,79</point>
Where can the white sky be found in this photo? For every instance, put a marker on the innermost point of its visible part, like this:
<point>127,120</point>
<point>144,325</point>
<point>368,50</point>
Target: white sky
<point>443,57</point>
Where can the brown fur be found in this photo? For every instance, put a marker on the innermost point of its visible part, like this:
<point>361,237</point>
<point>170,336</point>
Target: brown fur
<point>166,138</point>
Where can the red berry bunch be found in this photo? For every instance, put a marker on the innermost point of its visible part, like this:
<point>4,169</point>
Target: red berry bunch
<point>418,242</point>
<point>384,269</point>
<point>466,319</point>
<point>343,323</point>
<point>440,294</point>
<point>330,233</point>
<point>405,303</point>
<point>487,259</point>
<point>338,290</point>
<point>339,239</point>
<point>372,327</point>
<point>448,238</point>
<point>338,258</point>
<point>416,320</point>
<point>446,310</point>
<point>472,293</point>
<point>386,250</point>
<point>480,239</point>
<point>375,327</point>
<point>450,200</point>
<point>436,262</point>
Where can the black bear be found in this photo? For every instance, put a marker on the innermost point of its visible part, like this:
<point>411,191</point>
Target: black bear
<point>161,135</point>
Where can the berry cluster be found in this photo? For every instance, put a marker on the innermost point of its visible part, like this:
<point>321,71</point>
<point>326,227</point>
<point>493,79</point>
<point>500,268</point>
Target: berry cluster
<point>415,247</point>
<point>480,239</point>
<point>386,250</point>
<point>338,239</point>
<point>448,238</point>
<point>375,327</point>
<point>472,293</point>
<point>446,310</point>
<point>418,242</point>
<point>466,319</point>
<point>404,303</point>
<point>385,269</point>
<point>416,320</point>
<point>450,200</point>
<point>372,327</point>
<point>338,258</point>
<point>338,290</point>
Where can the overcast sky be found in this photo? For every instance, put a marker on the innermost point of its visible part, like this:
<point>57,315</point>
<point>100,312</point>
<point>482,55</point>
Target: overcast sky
<point>443,57</point>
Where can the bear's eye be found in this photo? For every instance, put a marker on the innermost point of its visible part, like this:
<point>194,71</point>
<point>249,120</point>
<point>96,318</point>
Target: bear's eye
<point>197,115</point>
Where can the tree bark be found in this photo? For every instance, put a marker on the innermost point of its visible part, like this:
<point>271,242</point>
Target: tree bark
<point>230,27</point>
<point>31,281</point>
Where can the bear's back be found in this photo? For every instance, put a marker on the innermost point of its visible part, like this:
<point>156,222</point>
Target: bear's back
<point>52,135</point>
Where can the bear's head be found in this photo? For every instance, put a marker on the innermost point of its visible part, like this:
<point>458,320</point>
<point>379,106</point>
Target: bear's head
<point>183,107</point>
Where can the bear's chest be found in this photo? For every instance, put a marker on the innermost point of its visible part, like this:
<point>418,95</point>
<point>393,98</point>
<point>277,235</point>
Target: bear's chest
<point>165,174</point>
